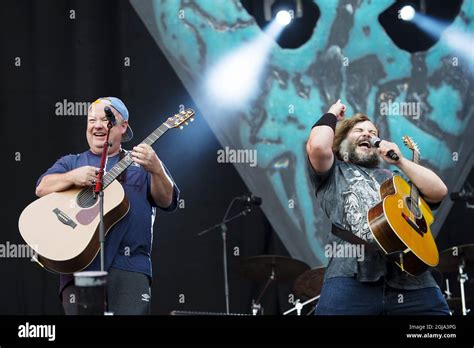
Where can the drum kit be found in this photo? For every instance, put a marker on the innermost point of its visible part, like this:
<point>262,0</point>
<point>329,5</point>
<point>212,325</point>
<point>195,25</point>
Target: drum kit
<point>275,268</point>
<point>454,266</point>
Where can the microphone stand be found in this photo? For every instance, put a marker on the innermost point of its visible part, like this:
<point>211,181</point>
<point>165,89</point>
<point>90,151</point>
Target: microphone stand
<point>223,228</point>
<point>99,190</point>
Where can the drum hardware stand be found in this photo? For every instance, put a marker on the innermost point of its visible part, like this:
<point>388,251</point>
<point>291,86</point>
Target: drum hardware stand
<point>462,279</point>
<point>448,294</point>
<point>299,306</point>
<point>256,305</point>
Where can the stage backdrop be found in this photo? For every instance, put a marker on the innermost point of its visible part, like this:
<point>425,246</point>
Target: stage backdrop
<point>349,56</point>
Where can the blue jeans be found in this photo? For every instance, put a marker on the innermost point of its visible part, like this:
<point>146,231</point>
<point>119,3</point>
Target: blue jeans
<point>348,296</point>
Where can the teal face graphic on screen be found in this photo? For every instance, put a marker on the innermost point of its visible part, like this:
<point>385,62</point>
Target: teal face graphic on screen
<point>349,56</point>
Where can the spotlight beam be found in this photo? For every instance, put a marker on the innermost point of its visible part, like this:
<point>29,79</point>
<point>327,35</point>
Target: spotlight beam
<point>459,41</point>
<point>235,79</point>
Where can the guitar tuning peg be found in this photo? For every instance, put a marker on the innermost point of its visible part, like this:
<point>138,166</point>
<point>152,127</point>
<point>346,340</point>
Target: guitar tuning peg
<point>186,123</point>
<point>191,119</point>
<point>181,127</point>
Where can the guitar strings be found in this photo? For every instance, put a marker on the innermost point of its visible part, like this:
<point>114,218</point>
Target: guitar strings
<point>89,192</point>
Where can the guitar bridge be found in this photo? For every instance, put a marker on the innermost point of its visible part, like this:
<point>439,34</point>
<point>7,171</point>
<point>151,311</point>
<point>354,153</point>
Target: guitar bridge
<point>64,218</point>
<point>413,225</point>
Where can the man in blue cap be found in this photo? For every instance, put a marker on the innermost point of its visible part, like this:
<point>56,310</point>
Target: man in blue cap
<point>147,184</point>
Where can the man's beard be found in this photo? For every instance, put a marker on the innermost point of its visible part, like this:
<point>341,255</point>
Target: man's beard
<point>348,153</point>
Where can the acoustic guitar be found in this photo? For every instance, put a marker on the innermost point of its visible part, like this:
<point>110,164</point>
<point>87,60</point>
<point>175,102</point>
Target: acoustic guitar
<point>400,223</point>
<point>63,227</point>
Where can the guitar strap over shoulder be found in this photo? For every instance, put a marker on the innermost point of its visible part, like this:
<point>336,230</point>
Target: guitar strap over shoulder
<point>350,237</point>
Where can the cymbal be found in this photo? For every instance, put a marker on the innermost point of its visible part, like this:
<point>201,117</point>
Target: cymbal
<point>450,259</point>
<point>309,284</point>
<point>260,267</point>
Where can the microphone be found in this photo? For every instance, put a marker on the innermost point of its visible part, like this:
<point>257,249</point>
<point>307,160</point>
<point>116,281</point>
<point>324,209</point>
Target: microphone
<point>110,115</point>
<point>375,141</point>
<point>462,196</point>
<point>250,199</point>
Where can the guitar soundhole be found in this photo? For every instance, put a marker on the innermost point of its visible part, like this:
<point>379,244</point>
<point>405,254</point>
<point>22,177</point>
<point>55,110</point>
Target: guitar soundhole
<point>413,208</point>
<point>86,198</point>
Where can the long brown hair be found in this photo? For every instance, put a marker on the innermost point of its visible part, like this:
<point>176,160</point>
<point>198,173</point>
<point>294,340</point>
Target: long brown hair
<point>344,127</point>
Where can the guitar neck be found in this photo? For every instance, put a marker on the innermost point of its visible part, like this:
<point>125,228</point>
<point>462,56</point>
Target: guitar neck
<point>125,162</point>
<point>414,194</point>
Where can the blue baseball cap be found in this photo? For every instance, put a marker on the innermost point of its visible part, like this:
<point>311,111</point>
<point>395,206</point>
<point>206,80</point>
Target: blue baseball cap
<point>118,105</point>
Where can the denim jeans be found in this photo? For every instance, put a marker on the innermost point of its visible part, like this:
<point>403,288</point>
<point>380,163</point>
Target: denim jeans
<point>348,296</point>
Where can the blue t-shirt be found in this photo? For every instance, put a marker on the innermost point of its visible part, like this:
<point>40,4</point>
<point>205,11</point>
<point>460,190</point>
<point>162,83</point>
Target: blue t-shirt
<point>128,243</point>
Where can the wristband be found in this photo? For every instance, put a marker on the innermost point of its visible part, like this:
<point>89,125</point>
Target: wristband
<point>327,119</point>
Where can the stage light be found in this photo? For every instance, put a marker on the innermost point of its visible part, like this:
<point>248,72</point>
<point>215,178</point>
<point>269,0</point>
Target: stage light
<point>403,22</point>
<point>407,13</point>
<point>283,17</point>
<point>235,79</point>
<point>272,9</point>
<point>297,18</point>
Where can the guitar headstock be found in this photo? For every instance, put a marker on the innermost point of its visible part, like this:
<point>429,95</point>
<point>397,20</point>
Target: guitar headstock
<point>410,143</point>
<point>180,118</point>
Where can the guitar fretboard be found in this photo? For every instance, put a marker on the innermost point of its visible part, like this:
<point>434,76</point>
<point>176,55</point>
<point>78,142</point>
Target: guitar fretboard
<point>414,194</point>
<point>125,162</point>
